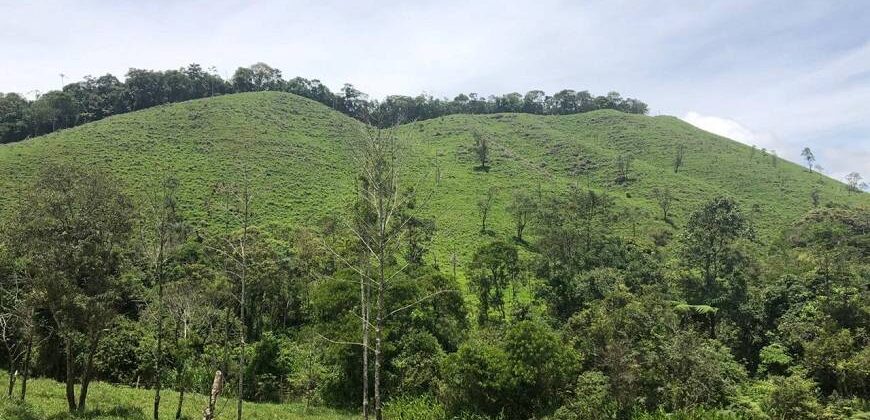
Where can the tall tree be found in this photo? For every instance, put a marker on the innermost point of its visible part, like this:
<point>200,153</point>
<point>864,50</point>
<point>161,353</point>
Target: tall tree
<point>71,229</point>
<point>162,232</point>
<point>663,198</point>
<point>522,209</point>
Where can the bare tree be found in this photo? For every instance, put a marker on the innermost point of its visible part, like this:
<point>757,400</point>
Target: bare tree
<point>808,155</point>
<point>237,208</point>
<point>854,182</point>
<point>379,224</point>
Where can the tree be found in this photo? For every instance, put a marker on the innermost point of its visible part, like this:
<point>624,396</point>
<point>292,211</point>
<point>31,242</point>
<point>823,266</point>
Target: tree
<point>484,206</point>
<point>623,168</point>
<point>162,232</point>
<point>71,230</point>
<point>663,198</point>
<point>678,157</point>
<point>807,154</point>
<point>710,232</point>
<point>481,149</point>
<point>853,182</point>
<point>237,206</point>
<point>493,267</point>
<point>522,208</point>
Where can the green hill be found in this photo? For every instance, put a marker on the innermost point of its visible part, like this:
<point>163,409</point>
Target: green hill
<point>300,157</point>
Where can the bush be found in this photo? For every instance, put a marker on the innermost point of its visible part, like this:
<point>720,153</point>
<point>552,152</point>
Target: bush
<point>589,400</point>
<point>793,397</point>
<point>414,408</point>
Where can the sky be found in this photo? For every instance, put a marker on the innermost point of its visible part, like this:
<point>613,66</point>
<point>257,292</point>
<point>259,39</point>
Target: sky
<point>782,75</point>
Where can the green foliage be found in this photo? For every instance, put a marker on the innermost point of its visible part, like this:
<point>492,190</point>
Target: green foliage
<point>414,408</point>
<point>793,397</point>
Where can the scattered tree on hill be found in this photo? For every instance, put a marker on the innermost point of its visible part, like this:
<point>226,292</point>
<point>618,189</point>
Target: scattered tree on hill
<point>807,154</point>
<point>623,168</point>
<point>481,150</point>
<point>815,196</point>
<point>854,182</point>
<point>484,206</point>
<point>71,229</point>
<point>774,159</point>
<point>663,198</point>
<point>678,158</point>
<point>522,208</point>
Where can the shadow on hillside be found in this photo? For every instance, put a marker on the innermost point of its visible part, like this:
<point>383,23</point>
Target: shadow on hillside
<point>481,168</point>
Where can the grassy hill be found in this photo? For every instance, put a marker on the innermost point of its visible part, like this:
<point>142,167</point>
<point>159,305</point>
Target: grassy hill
<point>299,154</point>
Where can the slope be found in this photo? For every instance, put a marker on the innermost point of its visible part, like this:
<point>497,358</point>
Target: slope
<point>299,156</point>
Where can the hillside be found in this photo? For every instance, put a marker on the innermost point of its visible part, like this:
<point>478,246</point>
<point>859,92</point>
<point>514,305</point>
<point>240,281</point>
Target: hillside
<point>300,157</point>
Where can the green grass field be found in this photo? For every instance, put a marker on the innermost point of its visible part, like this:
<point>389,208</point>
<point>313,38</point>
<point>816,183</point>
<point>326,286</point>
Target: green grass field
<point>45,400</point>
<point>300,159</point>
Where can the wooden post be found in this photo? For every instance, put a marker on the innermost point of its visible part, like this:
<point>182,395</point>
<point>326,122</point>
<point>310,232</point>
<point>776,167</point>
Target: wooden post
<point>216,387</point>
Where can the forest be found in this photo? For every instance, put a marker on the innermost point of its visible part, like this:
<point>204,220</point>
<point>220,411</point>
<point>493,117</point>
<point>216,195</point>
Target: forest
<point>95,98</point>
<point>567,318</point>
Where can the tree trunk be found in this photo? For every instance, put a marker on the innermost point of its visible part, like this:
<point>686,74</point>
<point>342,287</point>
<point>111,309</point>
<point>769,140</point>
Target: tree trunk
<point>70,371</point>
<point>25,369</point>
<point>180,404</point>
<point>159,353</point>
<point>216,387</point>
<point>86,374</point>
<point>379,337</point>
<point>364,306</point>
<point>12,374</point>
<point>243,338</point>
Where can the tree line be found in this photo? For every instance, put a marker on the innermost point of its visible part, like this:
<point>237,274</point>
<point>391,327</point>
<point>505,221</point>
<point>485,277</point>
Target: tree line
<point>567,316</point>
<point>95,98</point>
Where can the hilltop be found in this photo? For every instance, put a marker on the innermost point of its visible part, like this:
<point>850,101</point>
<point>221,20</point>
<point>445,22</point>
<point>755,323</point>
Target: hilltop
<point>299,154</point>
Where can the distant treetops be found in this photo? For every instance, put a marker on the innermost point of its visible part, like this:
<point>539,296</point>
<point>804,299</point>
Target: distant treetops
<point>95,98</point>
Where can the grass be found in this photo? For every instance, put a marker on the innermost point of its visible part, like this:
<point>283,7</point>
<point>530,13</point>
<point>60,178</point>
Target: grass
<point>300,158</point>
<point>46,400</point>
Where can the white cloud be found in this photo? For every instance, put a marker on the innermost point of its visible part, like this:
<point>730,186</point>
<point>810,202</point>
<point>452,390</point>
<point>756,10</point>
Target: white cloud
<point>724,127</point>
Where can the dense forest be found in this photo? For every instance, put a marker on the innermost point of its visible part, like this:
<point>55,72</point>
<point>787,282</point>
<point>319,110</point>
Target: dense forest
<point>569,319</point>
<point>95,98</point>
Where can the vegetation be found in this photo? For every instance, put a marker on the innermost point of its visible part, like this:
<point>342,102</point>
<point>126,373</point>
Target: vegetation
<point>303,256</point>
<point>95,98</point>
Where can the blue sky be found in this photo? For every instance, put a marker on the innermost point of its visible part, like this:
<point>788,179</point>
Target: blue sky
<point>778,74</point>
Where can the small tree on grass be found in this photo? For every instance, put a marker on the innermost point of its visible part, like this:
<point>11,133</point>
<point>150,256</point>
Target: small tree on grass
<point>623,168</point>
<point>663,198</point>
<point>481,150</point>
<point>854,182</point>
<point>484,206</point>
<point>522,208</point>
<point>678,157</point>
<point>492,269</point>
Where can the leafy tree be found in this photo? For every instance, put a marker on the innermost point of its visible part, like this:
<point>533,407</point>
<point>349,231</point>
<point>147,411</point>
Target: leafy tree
<point>71,230</point>
<point>481,150</point>
<point>623,168</point>
<point>484,206</point>
<point>493,267</point>
<point>663,198</point>
<point>709,233</point>
<point>522,208</point>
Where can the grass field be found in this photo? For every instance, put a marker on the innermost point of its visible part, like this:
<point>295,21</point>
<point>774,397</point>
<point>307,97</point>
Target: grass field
<point>46,400</point>
<point>300,158</point>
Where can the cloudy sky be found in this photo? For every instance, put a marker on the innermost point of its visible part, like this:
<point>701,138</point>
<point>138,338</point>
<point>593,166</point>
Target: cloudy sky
<point>777,74</point>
